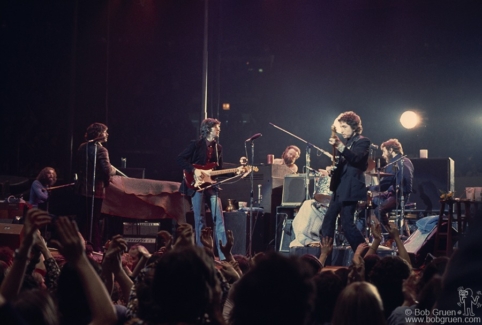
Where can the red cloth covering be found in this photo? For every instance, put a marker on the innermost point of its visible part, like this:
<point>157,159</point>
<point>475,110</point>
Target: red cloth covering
<point>145,199</point>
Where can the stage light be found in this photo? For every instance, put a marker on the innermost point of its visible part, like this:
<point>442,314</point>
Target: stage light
<point>226,107</point>
<point>409,119</point>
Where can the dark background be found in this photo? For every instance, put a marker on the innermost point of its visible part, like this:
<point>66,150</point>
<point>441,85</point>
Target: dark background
<point>137,66</point>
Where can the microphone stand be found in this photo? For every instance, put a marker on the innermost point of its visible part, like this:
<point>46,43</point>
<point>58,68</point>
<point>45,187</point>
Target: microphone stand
<point>93,187</point>
<point>251,200</point>
<point>308,153</point>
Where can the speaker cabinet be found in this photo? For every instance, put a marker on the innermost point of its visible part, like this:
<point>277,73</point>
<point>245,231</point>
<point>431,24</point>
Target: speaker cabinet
<point>294,189</point>
<point>239,222</point>
<point>431,176</point>
<point>11,235</point>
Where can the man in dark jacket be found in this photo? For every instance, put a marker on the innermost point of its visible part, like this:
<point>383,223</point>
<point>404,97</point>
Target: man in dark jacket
<point>348,178</point>
<point>398,178</point>
<point>92,155</point>
<point>203,152</point>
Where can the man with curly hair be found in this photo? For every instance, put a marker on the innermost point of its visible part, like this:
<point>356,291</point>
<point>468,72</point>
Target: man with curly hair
<point>348,177</point>
<point>39,191</point>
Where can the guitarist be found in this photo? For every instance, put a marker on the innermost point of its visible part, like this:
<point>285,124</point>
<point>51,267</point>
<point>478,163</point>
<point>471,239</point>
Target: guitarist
<point>201,152</point>
<point>348,178</point>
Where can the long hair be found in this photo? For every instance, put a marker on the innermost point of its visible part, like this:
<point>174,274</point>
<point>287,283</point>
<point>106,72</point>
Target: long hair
<point>206,126</point>
<point>94,130</point>
<point>352,119</point>
<point>42,176</point>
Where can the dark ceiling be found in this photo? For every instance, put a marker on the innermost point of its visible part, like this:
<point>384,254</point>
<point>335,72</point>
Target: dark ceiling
<point>137,66</point>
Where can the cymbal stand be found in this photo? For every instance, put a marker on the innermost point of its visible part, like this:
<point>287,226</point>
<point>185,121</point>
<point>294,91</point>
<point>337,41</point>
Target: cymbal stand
<point>398,188</point>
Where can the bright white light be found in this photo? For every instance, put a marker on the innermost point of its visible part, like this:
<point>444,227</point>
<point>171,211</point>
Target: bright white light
<point>409,119</point>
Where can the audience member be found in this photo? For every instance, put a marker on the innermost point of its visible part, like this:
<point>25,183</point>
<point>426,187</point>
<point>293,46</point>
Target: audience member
<point>359,304</point>
<point>276,291</point>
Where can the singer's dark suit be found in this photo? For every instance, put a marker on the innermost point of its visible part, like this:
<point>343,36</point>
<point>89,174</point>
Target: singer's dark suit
<point>348,186</point>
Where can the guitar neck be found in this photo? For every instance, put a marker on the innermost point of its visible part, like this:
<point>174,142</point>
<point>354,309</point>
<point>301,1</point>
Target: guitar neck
<point>223,171</point>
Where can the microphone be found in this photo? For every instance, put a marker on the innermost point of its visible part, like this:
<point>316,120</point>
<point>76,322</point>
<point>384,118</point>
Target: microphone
<point>378,164</point>
<point>254,137</point>
<point>374,146</point>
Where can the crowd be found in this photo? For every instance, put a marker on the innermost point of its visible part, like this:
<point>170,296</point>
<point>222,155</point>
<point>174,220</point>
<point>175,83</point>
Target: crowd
<point>185,284</point>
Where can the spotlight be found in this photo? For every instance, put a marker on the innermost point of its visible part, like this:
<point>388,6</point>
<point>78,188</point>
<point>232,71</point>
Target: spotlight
<point>409,119</point>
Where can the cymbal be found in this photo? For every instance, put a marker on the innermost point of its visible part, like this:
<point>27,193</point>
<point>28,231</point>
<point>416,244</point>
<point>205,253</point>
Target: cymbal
<point>323,198</point>
<point>382,174</point>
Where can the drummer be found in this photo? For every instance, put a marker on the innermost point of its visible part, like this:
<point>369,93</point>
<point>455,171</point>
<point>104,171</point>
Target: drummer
<point>394,177</point>
<point>310,216</point>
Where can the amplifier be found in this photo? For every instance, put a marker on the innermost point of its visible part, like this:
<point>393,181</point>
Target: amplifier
<point>148,242</point>
<point>141,228</point>
<point>11,235</point>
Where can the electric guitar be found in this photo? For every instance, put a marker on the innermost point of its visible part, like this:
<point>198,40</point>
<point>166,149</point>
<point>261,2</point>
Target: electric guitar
<point>202,175</point>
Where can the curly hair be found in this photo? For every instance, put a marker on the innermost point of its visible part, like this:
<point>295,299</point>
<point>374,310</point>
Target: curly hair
<point>393,144</point>
<point>43,178</point>
<point>95,130</point>
<point>206,126</point>
<point>352,119</point>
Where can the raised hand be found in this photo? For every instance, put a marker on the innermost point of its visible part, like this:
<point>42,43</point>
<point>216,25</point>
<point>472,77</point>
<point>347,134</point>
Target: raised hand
<point>69,243</point>
<point>185,235</point>
<point>207,238</point>
<point>166,238</point>
<point>359,251</point>
<point>226,249</point>
<point>326,245</point>
<point>35,219</point>
<point>393,231</point>
<point>116,246</point>
<point>376,230</point>
<point>229,272</point>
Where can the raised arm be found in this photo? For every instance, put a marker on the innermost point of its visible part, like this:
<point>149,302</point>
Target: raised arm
<point>70,246</point>
<point>13,280</point>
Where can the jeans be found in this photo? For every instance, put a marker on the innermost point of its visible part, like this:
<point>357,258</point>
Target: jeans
<point>346,210</point>
<point>219,233</point>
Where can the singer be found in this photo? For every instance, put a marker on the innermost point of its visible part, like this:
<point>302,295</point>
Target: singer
<point>91,187</point>
<point>203,151</point>
<point>39,190</point>
<point>289,157</point>
<point>348,178</point>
